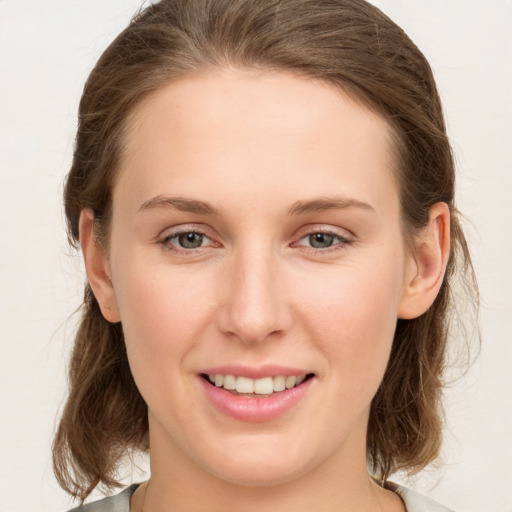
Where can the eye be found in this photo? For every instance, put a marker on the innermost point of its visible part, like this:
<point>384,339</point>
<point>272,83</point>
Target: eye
<point>189,240</point>
<point>323,240</point>
<point>185,240</point>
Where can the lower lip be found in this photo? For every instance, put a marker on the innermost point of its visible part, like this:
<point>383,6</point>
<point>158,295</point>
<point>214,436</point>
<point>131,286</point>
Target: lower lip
<point>258,409</point>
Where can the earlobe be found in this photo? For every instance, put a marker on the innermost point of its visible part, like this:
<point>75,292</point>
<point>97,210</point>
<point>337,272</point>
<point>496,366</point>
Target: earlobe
<point>427,266</point>
<point>97,267</point>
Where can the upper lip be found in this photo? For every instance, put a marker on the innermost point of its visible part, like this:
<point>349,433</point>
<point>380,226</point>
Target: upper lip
<point>255,372</point>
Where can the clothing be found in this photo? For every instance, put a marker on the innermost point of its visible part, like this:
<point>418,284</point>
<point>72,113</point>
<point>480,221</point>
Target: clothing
<point>414,502</point>
<point>118,503</point>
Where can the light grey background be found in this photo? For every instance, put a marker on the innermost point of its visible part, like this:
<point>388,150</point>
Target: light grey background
<point>46,50</point>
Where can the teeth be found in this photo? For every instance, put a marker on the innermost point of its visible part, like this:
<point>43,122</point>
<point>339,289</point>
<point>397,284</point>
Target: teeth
<point>279,383</point>
<point>290,382</point>
<point>244,385</point>
<point>264,386</point>
<point>229,382</point>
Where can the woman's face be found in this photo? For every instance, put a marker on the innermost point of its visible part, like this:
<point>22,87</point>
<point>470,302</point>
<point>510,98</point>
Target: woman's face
<point>256,235</point>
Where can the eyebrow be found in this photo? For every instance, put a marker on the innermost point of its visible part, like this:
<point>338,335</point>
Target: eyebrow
<point>182,204</point>
<point>298,208</point>
<point>327,203</point>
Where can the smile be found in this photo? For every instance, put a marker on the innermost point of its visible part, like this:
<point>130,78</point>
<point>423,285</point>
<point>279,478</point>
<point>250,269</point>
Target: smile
<point>258,398</point>
<point>245,386</point>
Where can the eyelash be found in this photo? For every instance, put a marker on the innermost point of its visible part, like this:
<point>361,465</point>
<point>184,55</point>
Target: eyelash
<point>166,241</point>
<point>339,241</point>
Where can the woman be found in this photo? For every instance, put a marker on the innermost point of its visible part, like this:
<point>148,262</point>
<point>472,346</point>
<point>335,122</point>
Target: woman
<point>263,194</point>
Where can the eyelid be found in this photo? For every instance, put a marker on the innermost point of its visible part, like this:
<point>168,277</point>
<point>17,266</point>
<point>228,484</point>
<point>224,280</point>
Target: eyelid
<point>193,227</point>
<point>311,229</point>
<point>169,233</point>
<point>344,236</point>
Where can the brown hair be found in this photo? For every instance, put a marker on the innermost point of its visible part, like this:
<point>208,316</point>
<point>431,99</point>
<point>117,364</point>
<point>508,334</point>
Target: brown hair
<point>348,43</point>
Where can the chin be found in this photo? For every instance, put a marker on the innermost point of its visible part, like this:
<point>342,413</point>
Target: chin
<point>261,466</point>
<point>258,474</point>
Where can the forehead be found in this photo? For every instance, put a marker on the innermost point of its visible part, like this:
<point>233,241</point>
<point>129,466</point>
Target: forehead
<point>255,128</point>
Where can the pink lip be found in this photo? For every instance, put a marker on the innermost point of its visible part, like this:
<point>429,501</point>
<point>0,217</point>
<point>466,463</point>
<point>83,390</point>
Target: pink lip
<point>257,409</point>
<point>254,373</point>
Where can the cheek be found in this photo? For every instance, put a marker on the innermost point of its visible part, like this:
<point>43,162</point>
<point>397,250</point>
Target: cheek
<point>353,320</point>
<point>162,313</point>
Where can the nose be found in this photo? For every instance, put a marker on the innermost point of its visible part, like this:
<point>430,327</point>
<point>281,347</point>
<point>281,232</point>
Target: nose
<point>255,308</point>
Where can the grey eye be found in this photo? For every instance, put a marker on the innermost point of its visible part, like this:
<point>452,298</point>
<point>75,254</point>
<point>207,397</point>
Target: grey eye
<point>321,240</point>
<point>190,240</point>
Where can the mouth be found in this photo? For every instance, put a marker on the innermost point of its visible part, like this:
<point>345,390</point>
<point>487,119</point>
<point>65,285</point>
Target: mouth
<point>256,388</point>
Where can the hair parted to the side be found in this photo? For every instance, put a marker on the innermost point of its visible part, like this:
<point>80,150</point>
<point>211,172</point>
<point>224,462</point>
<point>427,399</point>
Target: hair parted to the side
<point>348,43</point>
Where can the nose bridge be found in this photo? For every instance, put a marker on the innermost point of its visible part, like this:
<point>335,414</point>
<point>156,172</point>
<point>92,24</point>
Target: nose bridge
<point>254,308</point>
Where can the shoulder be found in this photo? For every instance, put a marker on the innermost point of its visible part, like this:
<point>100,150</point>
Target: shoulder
<point>414,501</point>
<point>118,503</point>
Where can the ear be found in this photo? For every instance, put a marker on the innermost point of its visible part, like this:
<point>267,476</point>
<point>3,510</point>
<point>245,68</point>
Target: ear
<point>97,267</point>
<point>427,264</point>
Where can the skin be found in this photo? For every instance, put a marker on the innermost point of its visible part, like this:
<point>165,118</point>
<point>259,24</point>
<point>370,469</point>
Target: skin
<point>253,146</point>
